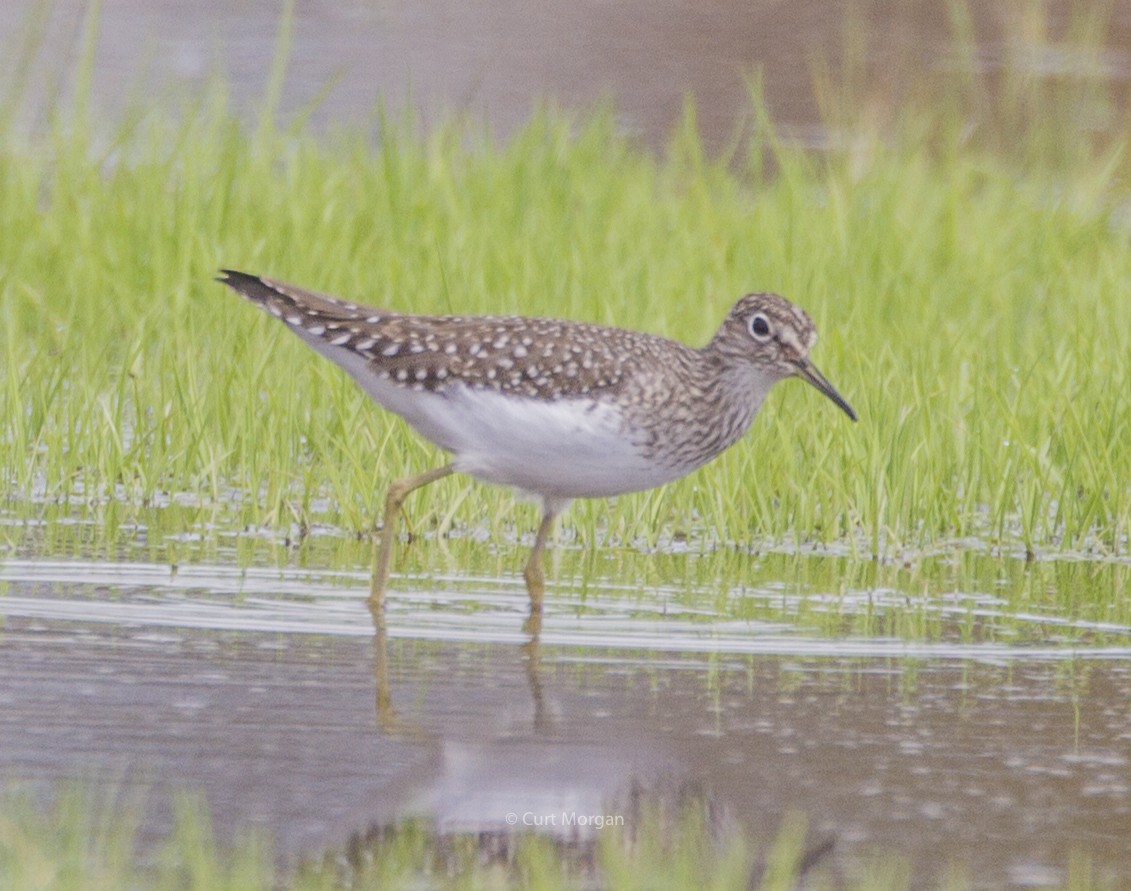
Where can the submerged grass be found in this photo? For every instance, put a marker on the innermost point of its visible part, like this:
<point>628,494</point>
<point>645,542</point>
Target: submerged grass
<point>971,294</point>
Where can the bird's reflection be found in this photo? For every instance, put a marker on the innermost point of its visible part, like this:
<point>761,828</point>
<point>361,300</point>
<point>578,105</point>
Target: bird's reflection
<point>474,783</point>
<point>386,716</point>
<point>390,722</point>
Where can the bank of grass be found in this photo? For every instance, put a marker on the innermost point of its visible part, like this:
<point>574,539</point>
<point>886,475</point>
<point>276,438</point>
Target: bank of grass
<point>85,840</point>
<point>971,293</point>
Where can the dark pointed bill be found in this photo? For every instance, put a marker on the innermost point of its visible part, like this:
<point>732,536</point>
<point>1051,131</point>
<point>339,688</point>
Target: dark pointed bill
<point>807,371</point>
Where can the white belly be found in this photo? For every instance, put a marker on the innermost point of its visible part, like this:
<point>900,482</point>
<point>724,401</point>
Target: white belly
<point>576,448</point>
<point>572,448</point>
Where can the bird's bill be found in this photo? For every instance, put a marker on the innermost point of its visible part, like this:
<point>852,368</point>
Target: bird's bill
<point>807,371</point>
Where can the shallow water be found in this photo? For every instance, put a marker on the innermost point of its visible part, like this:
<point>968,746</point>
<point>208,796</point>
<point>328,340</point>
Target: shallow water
<point>259,687</point>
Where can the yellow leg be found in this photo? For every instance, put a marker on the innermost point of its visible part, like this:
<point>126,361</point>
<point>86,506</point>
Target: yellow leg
<point>535,578</point>
<point>398,491</point>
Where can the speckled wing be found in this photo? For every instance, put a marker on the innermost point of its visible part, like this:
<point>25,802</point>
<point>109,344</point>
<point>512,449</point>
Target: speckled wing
<point>539,358</point>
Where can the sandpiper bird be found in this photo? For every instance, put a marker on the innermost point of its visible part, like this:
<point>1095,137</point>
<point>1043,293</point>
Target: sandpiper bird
<point>557,409</point>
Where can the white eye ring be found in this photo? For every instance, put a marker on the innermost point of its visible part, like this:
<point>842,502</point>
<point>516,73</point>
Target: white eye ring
<point>760,328</point>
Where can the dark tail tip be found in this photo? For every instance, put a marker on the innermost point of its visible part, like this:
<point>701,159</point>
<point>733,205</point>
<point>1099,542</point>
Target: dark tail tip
<point>233,278</point>
<point>247,285</point>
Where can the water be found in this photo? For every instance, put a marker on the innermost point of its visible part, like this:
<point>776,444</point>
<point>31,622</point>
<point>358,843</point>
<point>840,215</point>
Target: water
<point>497,60</point>
<point>266,690</point>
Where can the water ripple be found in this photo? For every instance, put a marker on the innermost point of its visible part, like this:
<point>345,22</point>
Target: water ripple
<point>471,609</point>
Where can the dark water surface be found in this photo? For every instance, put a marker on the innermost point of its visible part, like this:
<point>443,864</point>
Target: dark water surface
<point>259,688</point>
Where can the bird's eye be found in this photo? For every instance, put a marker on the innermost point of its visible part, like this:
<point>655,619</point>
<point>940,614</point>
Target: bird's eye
<point>760,327</point>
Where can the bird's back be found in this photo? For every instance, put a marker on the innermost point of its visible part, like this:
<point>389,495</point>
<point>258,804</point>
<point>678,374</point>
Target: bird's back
<point>533,357</point>
<point>551,407</point>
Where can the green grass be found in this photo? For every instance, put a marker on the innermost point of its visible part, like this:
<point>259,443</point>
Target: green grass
<point>971,291</point>
<point>88,841</point>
